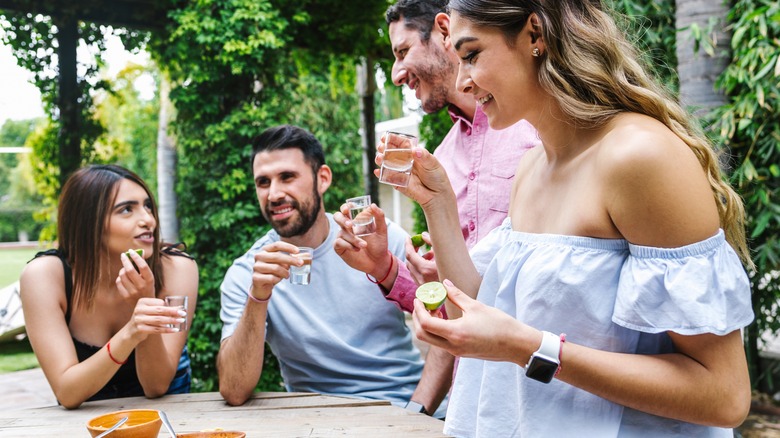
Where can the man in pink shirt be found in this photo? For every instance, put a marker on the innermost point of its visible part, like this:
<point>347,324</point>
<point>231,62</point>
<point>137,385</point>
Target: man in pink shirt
<point>480,161</point>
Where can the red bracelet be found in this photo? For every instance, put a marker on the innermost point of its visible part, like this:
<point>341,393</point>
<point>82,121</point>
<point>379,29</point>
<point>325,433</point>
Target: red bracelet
<point>388,270</point>
<point>108,347</point>
<point>560,351</point>
<point>258,300</point>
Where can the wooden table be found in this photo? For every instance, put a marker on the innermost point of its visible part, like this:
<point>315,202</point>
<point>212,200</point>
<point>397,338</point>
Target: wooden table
<point>268,414</point>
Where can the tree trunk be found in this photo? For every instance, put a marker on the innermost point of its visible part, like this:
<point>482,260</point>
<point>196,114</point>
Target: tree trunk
<point>69,137</point>
<point>698,70</point>
<point>366,86</point>
<point>166,167</point>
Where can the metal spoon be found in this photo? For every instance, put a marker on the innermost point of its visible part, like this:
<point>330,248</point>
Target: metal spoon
<point>167,424</point>
<point>111,429</point>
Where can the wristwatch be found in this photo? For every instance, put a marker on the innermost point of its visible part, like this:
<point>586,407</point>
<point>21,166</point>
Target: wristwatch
<point>416,408</point>
<point>544,363</point>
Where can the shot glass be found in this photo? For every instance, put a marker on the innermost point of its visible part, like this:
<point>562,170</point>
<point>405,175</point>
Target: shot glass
<point>181,303</point>
<point>302,274</point>
<point>396,167</point>
<point>362,220</point>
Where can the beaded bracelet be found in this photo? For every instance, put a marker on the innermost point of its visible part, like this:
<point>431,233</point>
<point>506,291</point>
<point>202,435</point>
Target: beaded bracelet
<point>108,348</point>
<point>392,261</point>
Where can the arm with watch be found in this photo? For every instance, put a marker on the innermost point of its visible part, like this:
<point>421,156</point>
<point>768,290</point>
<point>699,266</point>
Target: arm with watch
<point>687,385</point>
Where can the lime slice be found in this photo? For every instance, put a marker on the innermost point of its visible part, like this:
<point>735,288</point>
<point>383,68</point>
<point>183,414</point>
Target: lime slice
<point>432,294</point>
<point>140,252</point>
<point>417,240</point>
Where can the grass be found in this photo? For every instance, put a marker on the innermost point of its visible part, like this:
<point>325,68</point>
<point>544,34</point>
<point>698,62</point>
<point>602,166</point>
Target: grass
<point>17,356</point>
<point>13,261</point>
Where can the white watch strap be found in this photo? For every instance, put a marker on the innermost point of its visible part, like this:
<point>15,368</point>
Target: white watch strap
<point>551,346</point>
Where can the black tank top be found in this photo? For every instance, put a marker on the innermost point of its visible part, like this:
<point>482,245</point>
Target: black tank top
<point>125,382</point>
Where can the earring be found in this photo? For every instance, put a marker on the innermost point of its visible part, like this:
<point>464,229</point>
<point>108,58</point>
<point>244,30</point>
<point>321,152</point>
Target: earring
<point>535,52</point>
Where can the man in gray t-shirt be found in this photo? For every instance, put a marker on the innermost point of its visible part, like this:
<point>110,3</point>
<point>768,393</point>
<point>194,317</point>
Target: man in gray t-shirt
<point>336,335</point>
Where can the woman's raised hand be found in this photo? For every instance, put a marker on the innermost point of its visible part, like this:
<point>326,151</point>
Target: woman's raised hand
<point>134,283</point>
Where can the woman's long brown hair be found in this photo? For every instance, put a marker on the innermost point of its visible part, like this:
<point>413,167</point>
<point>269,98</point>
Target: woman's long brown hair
<point>82,222</point>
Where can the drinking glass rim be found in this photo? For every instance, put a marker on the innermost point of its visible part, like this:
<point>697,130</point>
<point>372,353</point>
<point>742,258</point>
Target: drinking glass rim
<point>402,134</point>
<point>356,198</point>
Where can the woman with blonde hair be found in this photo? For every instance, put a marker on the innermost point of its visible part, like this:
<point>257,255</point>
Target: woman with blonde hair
<point>94,311</point>
<point>610,301</point>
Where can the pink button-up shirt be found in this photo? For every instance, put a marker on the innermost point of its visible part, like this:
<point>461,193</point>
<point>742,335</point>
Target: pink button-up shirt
<point>480,163</point>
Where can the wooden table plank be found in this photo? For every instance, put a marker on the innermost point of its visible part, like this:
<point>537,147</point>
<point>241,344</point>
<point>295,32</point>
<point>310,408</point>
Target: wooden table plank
<point>264,415</point>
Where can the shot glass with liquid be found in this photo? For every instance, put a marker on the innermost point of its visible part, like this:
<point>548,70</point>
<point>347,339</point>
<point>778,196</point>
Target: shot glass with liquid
<point>302,274</point>
<point>363,222</point>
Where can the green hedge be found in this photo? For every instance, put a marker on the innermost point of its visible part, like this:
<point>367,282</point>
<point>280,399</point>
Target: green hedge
<point>16,220</point>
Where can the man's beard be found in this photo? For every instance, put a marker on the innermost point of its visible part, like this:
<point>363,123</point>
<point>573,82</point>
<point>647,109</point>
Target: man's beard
<point>436,73</point>
<point>307,215</point>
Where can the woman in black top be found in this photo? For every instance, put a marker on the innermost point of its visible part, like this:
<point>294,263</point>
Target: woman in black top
<point>98,325</point>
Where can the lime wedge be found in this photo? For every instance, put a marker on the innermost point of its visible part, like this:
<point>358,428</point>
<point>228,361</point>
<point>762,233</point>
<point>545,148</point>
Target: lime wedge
<point>140,252</point>
<point>432,294</point>
<point>417,240</point>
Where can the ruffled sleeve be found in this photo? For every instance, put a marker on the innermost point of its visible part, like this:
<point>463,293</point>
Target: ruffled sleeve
<point>483,252</point>
<point>694,289</point>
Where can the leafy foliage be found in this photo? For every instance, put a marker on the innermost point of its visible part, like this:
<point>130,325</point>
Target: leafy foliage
<point>650,26</point>
<point>33,39</point>
<point>749,125</point>
<point>18,197</point>
<point>130,135</point>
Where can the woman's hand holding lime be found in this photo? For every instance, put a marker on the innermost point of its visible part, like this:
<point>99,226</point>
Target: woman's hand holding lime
<point>135,279</point>
<point>482,331</point>
<point>432,295</point>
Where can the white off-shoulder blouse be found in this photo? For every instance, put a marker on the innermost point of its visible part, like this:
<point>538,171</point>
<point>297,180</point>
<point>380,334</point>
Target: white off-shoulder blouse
<point>606,294</point>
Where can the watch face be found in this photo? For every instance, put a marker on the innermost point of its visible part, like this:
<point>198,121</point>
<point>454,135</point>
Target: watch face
<point>541,369</point>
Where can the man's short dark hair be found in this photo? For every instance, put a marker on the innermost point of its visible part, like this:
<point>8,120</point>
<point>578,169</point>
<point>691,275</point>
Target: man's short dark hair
<point>289,137</point>
<point>417,14</point>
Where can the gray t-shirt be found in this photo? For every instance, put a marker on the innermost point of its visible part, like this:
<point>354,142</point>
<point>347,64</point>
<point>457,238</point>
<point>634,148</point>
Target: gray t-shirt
<point>338,335</point>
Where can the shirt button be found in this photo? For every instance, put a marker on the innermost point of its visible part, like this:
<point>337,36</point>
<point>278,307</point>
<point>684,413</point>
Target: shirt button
<point>472,175</point>
<point>472,226</point>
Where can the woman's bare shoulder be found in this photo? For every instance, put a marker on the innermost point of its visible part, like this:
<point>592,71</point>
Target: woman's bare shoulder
<point>176,263</point>
<point>657,189</point>
<point>42,268</point>
<point>181,274</point>
<point>42,276</point>
<point>635,139</point>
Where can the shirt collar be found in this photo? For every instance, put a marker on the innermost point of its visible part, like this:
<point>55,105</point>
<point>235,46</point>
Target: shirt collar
<point>456,115</point>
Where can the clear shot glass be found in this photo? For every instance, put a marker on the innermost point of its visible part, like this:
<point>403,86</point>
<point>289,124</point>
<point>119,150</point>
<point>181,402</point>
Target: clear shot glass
<point>180,302</point>
<point>302,274</point>
<point>396,169</point>
<point>363,222</point>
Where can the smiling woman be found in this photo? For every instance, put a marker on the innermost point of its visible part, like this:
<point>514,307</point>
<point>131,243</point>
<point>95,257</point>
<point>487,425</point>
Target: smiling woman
<point>99,325</point>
